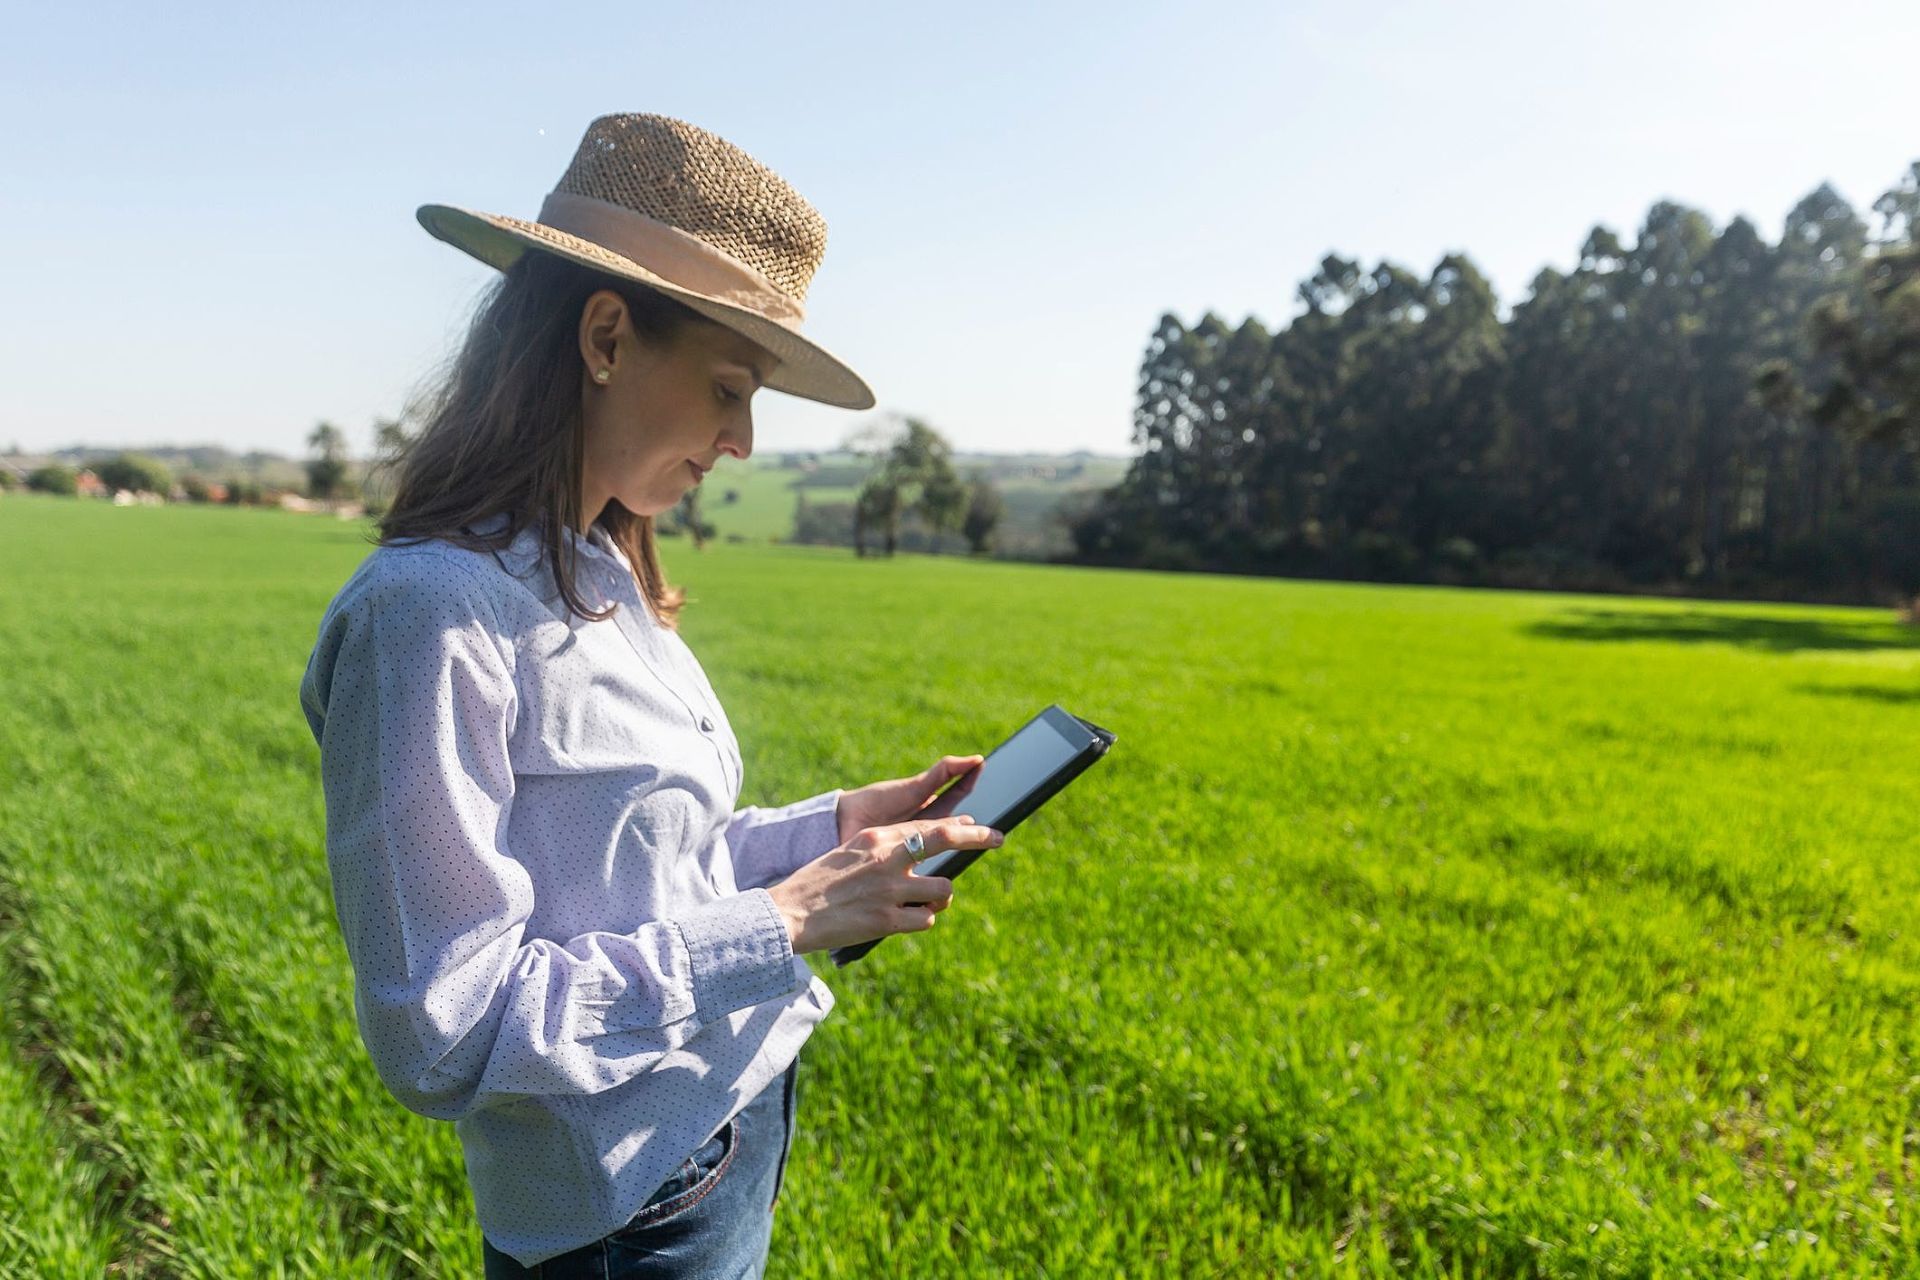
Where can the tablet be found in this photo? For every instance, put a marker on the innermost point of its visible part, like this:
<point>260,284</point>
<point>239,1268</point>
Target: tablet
<point>1015,779</point>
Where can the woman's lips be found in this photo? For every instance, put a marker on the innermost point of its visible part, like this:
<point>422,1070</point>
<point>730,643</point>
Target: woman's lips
<point>697,472</point>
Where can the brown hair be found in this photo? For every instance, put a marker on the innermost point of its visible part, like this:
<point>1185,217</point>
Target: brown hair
<point>501,429</point>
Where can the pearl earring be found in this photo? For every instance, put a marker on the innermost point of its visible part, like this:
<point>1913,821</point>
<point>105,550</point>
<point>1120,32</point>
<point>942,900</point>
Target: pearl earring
<point>601,375</point>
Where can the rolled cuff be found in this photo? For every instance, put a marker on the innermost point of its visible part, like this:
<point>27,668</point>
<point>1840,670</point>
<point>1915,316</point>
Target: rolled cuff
<point>739,952</point>
<point>816,825</point>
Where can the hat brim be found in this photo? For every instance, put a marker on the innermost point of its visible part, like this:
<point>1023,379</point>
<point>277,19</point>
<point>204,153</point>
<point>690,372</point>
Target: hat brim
<point>806,369</point>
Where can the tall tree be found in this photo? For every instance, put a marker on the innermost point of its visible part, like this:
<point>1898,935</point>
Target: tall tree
<point>943,503</point>
<point>686,516</point>
<point>327,469</point>
<point>877,508</point>
<point>914,474</point>
<point>1642,418</point>
<point>985,508</point>
<point>389,437</point>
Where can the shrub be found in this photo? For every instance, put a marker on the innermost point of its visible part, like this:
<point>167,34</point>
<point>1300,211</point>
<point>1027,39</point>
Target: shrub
<point>824,523</point>
<point>1457,560</point>
<point>1384,556</point>
<point>135,472</point>
<point>54,479</point>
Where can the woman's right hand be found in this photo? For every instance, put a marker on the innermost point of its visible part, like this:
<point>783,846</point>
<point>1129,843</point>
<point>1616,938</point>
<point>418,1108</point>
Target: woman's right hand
<point>861,890</point>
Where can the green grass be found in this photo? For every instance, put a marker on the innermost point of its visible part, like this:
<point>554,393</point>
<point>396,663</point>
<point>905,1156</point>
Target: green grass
<point>1457,933</point>
<point>764,510</point>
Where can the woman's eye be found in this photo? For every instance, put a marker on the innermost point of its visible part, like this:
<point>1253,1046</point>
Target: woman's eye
<point>726,393</point>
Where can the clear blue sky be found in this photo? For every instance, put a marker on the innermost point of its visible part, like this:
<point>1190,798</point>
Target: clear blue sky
<point>209,208</point>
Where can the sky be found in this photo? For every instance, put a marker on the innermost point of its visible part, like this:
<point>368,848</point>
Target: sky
<point>210,208</point>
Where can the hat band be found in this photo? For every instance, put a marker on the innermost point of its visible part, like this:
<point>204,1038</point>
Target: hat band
<point>670,253</point>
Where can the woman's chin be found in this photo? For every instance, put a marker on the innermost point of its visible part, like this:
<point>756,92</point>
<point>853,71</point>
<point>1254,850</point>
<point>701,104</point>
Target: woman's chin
<point>663,499</point>
<point>654,508</point>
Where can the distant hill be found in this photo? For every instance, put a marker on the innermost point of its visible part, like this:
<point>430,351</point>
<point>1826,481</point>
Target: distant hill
<point>214,462</point>
<point>754,500</point>
<point>759,499</point>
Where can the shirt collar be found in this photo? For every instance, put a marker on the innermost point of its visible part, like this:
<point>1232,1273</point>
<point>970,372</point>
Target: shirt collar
<point>596,544</point>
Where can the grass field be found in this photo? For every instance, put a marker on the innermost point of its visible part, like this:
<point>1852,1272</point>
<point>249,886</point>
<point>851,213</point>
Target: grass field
<point>1457,933</point>
<point>764,510</point>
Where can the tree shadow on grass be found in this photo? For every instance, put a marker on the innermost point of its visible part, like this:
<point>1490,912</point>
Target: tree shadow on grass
<point>1870,692</point>
<point>1751,631</point>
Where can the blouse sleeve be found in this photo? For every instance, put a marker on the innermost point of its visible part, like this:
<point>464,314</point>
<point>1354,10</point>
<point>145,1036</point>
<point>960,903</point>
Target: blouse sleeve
<point>768,845</point>
<point>411,696</point>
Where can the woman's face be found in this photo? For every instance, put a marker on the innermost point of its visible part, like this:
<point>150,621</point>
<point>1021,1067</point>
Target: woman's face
<point>660,413</point>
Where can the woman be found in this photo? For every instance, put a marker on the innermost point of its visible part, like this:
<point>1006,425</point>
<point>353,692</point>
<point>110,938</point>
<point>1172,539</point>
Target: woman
<point>564,938</point>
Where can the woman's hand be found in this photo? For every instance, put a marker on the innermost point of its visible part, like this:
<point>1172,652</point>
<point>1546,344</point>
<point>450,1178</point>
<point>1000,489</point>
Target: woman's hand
<point>879,804</point>
<point>866,889</point>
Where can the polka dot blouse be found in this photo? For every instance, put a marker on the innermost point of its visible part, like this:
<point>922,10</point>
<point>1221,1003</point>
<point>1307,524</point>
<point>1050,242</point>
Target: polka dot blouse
<point>559,926</point>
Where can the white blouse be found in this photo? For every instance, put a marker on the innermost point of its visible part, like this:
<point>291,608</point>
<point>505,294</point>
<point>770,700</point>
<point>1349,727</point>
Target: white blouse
<point>558,923</point>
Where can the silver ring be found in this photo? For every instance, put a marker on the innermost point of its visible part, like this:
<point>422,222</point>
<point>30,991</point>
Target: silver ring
<point>914,843</point>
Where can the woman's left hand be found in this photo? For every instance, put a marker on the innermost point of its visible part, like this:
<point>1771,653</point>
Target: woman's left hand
<point>880,804</point>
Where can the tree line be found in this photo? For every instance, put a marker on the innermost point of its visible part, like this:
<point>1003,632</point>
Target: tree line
<point>1696,410</point>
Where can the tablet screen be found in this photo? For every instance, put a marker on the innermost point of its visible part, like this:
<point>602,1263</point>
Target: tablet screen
<point>1004,778</point>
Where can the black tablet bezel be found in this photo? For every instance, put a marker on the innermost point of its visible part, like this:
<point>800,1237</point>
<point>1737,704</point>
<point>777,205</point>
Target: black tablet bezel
<point>1070,727</point>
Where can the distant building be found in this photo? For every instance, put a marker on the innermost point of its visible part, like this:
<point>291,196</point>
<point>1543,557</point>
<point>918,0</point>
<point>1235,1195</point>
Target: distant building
<point>87,485</point>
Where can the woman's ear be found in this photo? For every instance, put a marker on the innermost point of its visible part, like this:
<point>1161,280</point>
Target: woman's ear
<point>602,318</point>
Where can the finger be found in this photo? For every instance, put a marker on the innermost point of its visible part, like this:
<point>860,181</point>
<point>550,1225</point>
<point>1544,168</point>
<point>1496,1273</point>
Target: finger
<point>957,832</point>
<point>895,849</point>
<point>926,891</point>
<point>928,829</point>
<point>912,919</point>
<point>948,767</point>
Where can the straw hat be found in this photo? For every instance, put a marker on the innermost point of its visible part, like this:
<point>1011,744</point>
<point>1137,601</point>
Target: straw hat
<point>667,204</point>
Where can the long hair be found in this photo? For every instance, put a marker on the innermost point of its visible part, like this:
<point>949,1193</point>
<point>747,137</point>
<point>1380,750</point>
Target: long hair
<point>501,430</point>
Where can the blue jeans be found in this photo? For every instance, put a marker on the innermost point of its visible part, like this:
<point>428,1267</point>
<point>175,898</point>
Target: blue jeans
<point>712,1218</point>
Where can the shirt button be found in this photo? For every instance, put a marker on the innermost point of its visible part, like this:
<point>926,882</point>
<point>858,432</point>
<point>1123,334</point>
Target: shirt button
<point>706,724</point>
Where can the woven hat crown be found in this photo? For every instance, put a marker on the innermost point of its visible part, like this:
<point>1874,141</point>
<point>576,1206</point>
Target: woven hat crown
<point>687,177</point>
<point>683,211</point>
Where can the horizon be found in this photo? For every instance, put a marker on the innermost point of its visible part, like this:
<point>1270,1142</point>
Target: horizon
<point>172,447</point>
